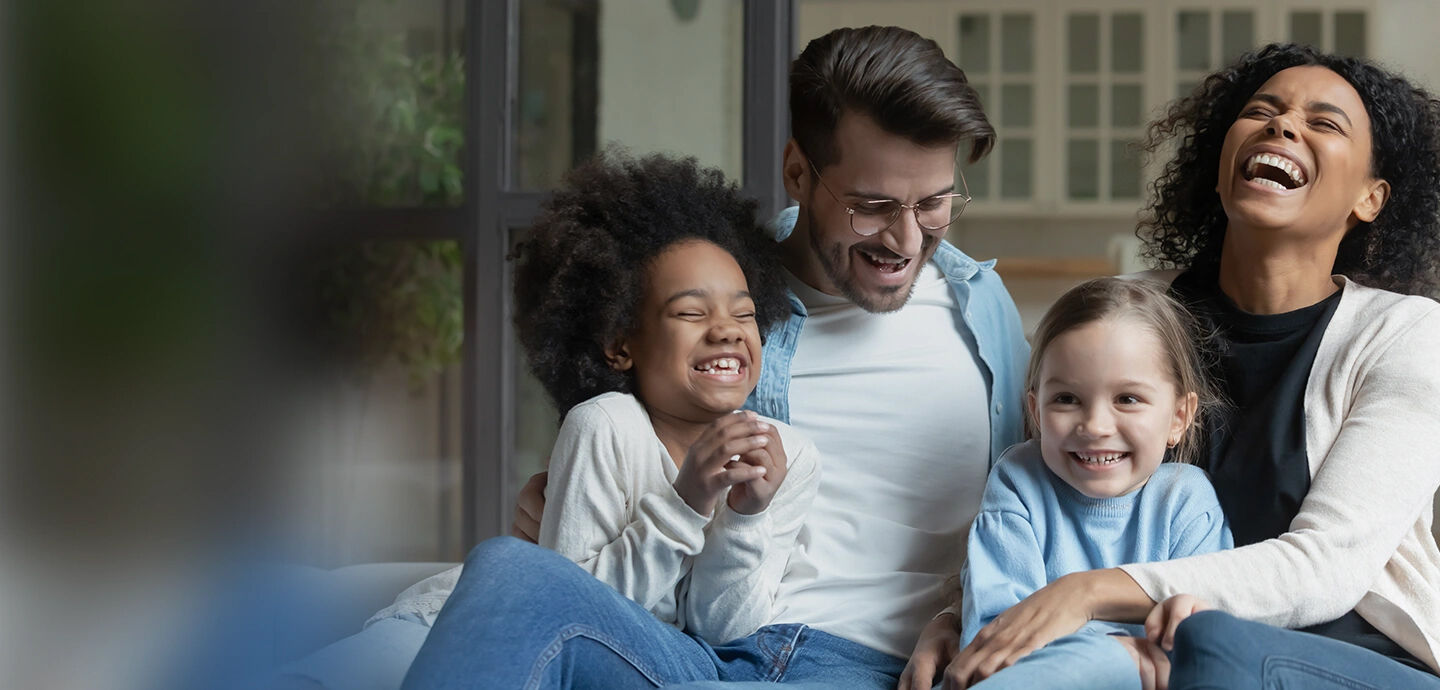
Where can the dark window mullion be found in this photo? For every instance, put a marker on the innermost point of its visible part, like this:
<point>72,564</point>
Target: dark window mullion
<point>404,223</point>
<point>491,69</point>
<point>769,47</point>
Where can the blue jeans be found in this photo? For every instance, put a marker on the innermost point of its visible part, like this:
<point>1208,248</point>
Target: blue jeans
<point>1217,650</point>
<point>525,617</point>
<point>1080,660</point>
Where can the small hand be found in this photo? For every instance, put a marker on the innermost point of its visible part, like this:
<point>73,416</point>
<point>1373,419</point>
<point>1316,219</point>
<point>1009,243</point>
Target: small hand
<point>528,508</point>
<point>1160,625</point>
<point>938,644</point>
<point>1150,661</point>
<point>708,469</point>
<point>754,496</point>
<point>1049,613</point>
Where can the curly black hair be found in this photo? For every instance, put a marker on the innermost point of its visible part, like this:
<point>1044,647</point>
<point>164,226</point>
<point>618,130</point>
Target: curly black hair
<point>1184,223</point>
<point>582,267</point>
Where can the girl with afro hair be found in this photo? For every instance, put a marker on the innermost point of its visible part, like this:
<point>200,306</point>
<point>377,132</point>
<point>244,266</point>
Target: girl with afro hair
<point>640,298</point>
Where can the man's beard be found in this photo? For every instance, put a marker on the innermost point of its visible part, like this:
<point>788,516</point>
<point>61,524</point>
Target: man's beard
<point>883,300</point>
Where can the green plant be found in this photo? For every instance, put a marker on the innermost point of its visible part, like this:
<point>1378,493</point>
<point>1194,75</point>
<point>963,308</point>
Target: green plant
<point>395,141</point>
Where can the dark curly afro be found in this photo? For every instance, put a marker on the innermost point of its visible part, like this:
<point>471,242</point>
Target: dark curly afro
<point>1184,223</point>
<point>582,267</point>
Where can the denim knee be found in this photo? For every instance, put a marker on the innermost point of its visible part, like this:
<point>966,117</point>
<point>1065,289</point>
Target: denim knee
<point>1204,632</point>
<point>508,555</point>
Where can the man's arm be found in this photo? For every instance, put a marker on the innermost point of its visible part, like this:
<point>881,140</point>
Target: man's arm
<point>529,507</point>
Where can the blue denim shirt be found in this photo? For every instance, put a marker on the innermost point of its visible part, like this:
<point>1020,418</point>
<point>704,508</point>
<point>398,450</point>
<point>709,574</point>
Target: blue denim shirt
<point>986,311</point>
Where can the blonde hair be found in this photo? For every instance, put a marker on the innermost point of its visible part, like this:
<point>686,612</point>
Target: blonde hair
<point>1147,304</point>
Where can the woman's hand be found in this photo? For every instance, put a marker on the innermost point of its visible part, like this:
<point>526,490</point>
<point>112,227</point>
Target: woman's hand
<point>1160,625</point>
<point>1051,612</point>
<point>1149,659</point>
<point>754,496</point>
<point>938,643</point>
<point>713,463</point>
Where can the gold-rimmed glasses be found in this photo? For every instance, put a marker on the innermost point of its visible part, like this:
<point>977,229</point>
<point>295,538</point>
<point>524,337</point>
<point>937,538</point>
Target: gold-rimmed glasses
<point>869,218</point>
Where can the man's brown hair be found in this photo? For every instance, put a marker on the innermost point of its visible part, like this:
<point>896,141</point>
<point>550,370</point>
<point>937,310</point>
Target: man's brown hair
<point>896,77</point>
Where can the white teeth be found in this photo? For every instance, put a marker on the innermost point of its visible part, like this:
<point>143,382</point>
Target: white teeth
<point>722,364</point>
<point>1274,161</point>
<point>1099,458</point>
<point>892,260</point>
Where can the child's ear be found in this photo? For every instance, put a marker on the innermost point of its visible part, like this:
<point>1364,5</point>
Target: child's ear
<point>1185,409</point>
<point>618,355</point>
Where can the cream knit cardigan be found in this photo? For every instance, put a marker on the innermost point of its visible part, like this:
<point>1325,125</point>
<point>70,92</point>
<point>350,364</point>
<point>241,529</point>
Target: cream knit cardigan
<point>1362,539</point>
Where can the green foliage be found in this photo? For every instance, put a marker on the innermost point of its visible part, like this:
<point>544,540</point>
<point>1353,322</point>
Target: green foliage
<point>396,141</point>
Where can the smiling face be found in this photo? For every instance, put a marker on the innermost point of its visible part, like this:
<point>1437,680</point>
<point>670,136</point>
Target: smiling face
<point>877,273</point>
<point>695,352</point>
<point>1297,160</point>
<point>1106,407</point>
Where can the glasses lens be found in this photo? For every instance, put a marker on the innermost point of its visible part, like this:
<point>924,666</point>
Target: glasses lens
<point>870,218</point>
<point>940,212</point>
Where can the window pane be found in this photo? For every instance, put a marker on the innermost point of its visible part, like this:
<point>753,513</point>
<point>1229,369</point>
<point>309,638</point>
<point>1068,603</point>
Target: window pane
<point>975,43</point>
<point>585,81</point>
<point>1127,44</point>
<point>1237,34</point>
<point>394,98</point>
<point>1015,168</point>
<point>1185,88</point>
<point>1084,101</point>
<point>1305,28</point>
<point>986,104</point>
<point>1194,40</point>
<point>387,420</point>
<point>1124,170</point>
<point>1016,105</point>
<point>1084,44</point>
<point>1082,169</point>
<point>1125,105</point>
<point>1350,33</point>
<point>1017,43</point>
<point>977,177</point>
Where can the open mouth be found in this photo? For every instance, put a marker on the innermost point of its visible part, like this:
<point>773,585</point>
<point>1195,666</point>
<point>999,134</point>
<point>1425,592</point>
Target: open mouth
<point>1274,171</point>
<point>884,262</point>
<point>1099,459</point>
<point>723,368</point>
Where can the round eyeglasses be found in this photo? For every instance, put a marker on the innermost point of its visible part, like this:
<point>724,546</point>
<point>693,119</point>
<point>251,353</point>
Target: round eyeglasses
<point>932,213</point>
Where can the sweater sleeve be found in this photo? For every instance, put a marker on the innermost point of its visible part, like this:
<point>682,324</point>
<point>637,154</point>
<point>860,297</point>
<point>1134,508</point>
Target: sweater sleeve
<point>734,580</point>
<point>588,520</point>
<point>1376,478</point>
<point>1200,525</point>
<point>1004,562</point>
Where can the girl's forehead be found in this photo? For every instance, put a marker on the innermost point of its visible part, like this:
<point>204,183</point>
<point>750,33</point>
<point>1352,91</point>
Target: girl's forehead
<point>1126,340</point>
<point>693,265</point>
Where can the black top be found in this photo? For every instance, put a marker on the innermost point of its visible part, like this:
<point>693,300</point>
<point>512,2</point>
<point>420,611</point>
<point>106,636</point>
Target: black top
<point>1254,449</point>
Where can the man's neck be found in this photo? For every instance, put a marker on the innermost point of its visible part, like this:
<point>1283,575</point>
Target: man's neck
<point>798,257</point>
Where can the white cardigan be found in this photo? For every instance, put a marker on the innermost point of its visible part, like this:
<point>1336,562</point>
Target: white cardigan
<point>1362,539</point>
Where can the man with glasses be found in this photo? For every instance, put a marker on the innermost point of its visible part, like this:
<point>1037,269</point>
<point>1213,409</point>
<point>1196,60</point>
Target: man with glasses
<point>902,360</point>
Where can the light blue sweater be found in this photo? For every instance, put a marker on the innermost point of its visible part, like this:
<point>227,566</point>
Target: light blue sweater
<point>1033,528</point>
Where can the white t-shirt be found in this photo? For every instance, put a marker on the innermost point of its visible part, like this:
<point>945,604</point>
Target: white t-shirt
<point>898,406</point>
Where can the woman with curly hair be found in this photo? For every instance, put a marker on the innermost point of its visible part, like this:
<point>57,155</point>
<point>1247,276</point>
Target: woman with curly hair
<point>1300,217</point>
